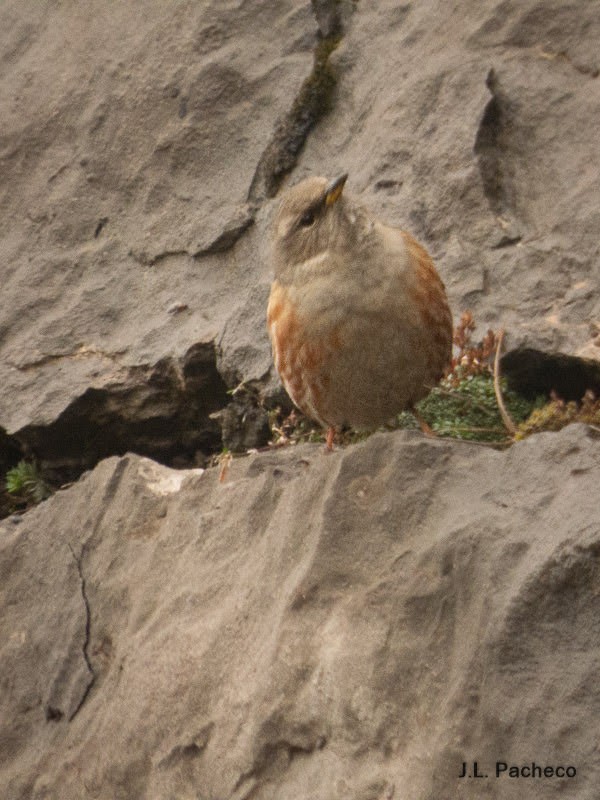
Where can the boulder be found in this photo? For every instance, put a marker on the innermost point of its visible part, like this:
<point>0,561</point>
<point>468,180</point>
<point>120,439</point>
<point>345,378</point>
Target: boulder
<point>350,625</point>
<point>143,151</point>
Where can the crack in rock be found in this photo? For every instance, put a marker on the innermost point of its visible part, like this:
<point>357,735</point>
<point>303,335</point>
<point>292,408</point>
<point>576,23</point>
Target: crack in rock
<point>86,641</point>
<point>491,144</point>
<point>232,230</point>
<point>273,756</point>
<point>534,372</point>
<point>189,751</point>
<point>161,411</point>
<point>148,260</point>
<point>83,351</point>
<point>313,101</point>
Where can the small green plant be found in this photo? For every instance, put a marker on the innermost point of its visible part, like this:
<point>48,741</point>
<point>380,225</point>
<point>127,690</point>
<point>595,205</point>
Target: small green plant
<point>25,484</point>
<point>466,403</point>
<point>465,406</point>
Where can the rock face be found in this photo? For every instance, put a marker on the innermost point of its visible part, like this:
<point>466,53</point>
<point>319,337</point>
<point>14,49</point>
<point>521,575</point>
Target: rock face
<point>130,140</point>
<point>141,148</point>
<point>354,625</point>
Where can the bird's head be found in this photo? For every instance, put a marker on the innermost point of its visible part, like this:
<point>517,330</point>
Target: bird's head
<point>312,219</point>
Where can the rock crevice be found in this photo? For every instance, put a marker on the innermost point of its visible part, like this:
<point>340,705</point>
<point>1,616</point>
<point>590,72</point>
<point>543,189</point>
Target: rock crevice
<point>87,635</point>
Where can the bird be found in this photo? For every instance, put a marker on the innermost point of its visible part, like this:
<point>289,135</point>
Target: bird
<point>358,316</point>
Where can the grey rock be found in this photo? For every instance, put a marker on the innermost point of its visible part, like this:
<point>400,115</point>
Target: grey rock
<point>291,625</point>
<point>480,123</point>
<point>347,625</point>
<point>132,145</point>
<point>128,149</point>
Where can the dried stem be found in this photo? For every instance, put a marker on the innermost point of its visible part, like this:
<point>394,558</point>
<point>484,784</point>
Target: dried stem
<point>506,419</point>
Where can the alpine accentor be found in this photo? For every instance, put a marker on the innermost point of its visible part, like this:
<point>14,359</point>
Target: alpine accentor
<point>358,316</point>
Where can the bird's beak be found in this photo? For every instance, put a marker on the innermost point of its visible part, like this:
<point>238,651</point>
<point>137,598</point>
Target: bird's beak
<point>333,192</point>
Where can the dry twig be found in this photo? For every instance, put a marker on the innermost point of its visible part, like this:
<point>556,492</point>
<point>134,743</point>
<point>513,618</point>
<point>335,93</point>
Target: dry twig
<point>506,419</point>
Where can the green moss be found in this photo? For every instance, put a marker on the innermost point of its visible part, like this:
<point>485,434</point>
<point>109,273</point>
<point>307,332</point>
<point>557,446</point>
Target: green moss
<point>313,101</point>
<point>466,408</point>
<point>24,483</point>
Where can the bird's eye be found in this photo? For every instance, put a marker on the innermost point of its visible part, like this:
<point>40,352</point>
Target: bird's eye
<point>307,219</point>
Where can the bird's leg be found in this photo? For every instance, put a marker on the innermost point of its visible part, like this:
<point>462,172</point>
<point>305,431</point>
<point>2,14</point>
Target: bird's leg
<point>427,429</point>
<point>329,437</point>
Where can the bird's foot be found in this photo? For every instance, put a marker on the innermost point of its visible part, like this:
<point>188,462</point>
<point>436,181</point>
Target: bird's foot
<point>329,437</point>
<point>427,429</point>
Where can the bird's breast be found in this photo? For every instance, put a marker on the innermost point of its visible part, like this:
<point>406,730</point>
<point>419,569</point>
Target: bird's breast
<point>303,350</point>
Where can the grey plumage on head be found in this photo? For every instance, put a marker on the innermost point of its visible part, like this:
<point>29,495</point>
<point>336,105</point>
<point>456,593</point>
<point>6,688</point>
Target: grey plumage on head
<point>313,217</point>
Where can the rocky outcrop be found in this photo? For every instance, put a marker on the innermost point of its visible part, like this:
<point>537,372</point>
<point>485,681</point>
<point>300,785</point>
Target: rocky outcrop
<point>140,153</point>
<point>350,625</point>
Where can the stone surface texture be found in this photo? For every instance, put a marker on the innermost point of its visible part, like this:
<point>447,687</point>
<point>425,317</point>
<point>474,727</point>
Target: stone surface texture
<point>132,135</point>
<point>350,626</point>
